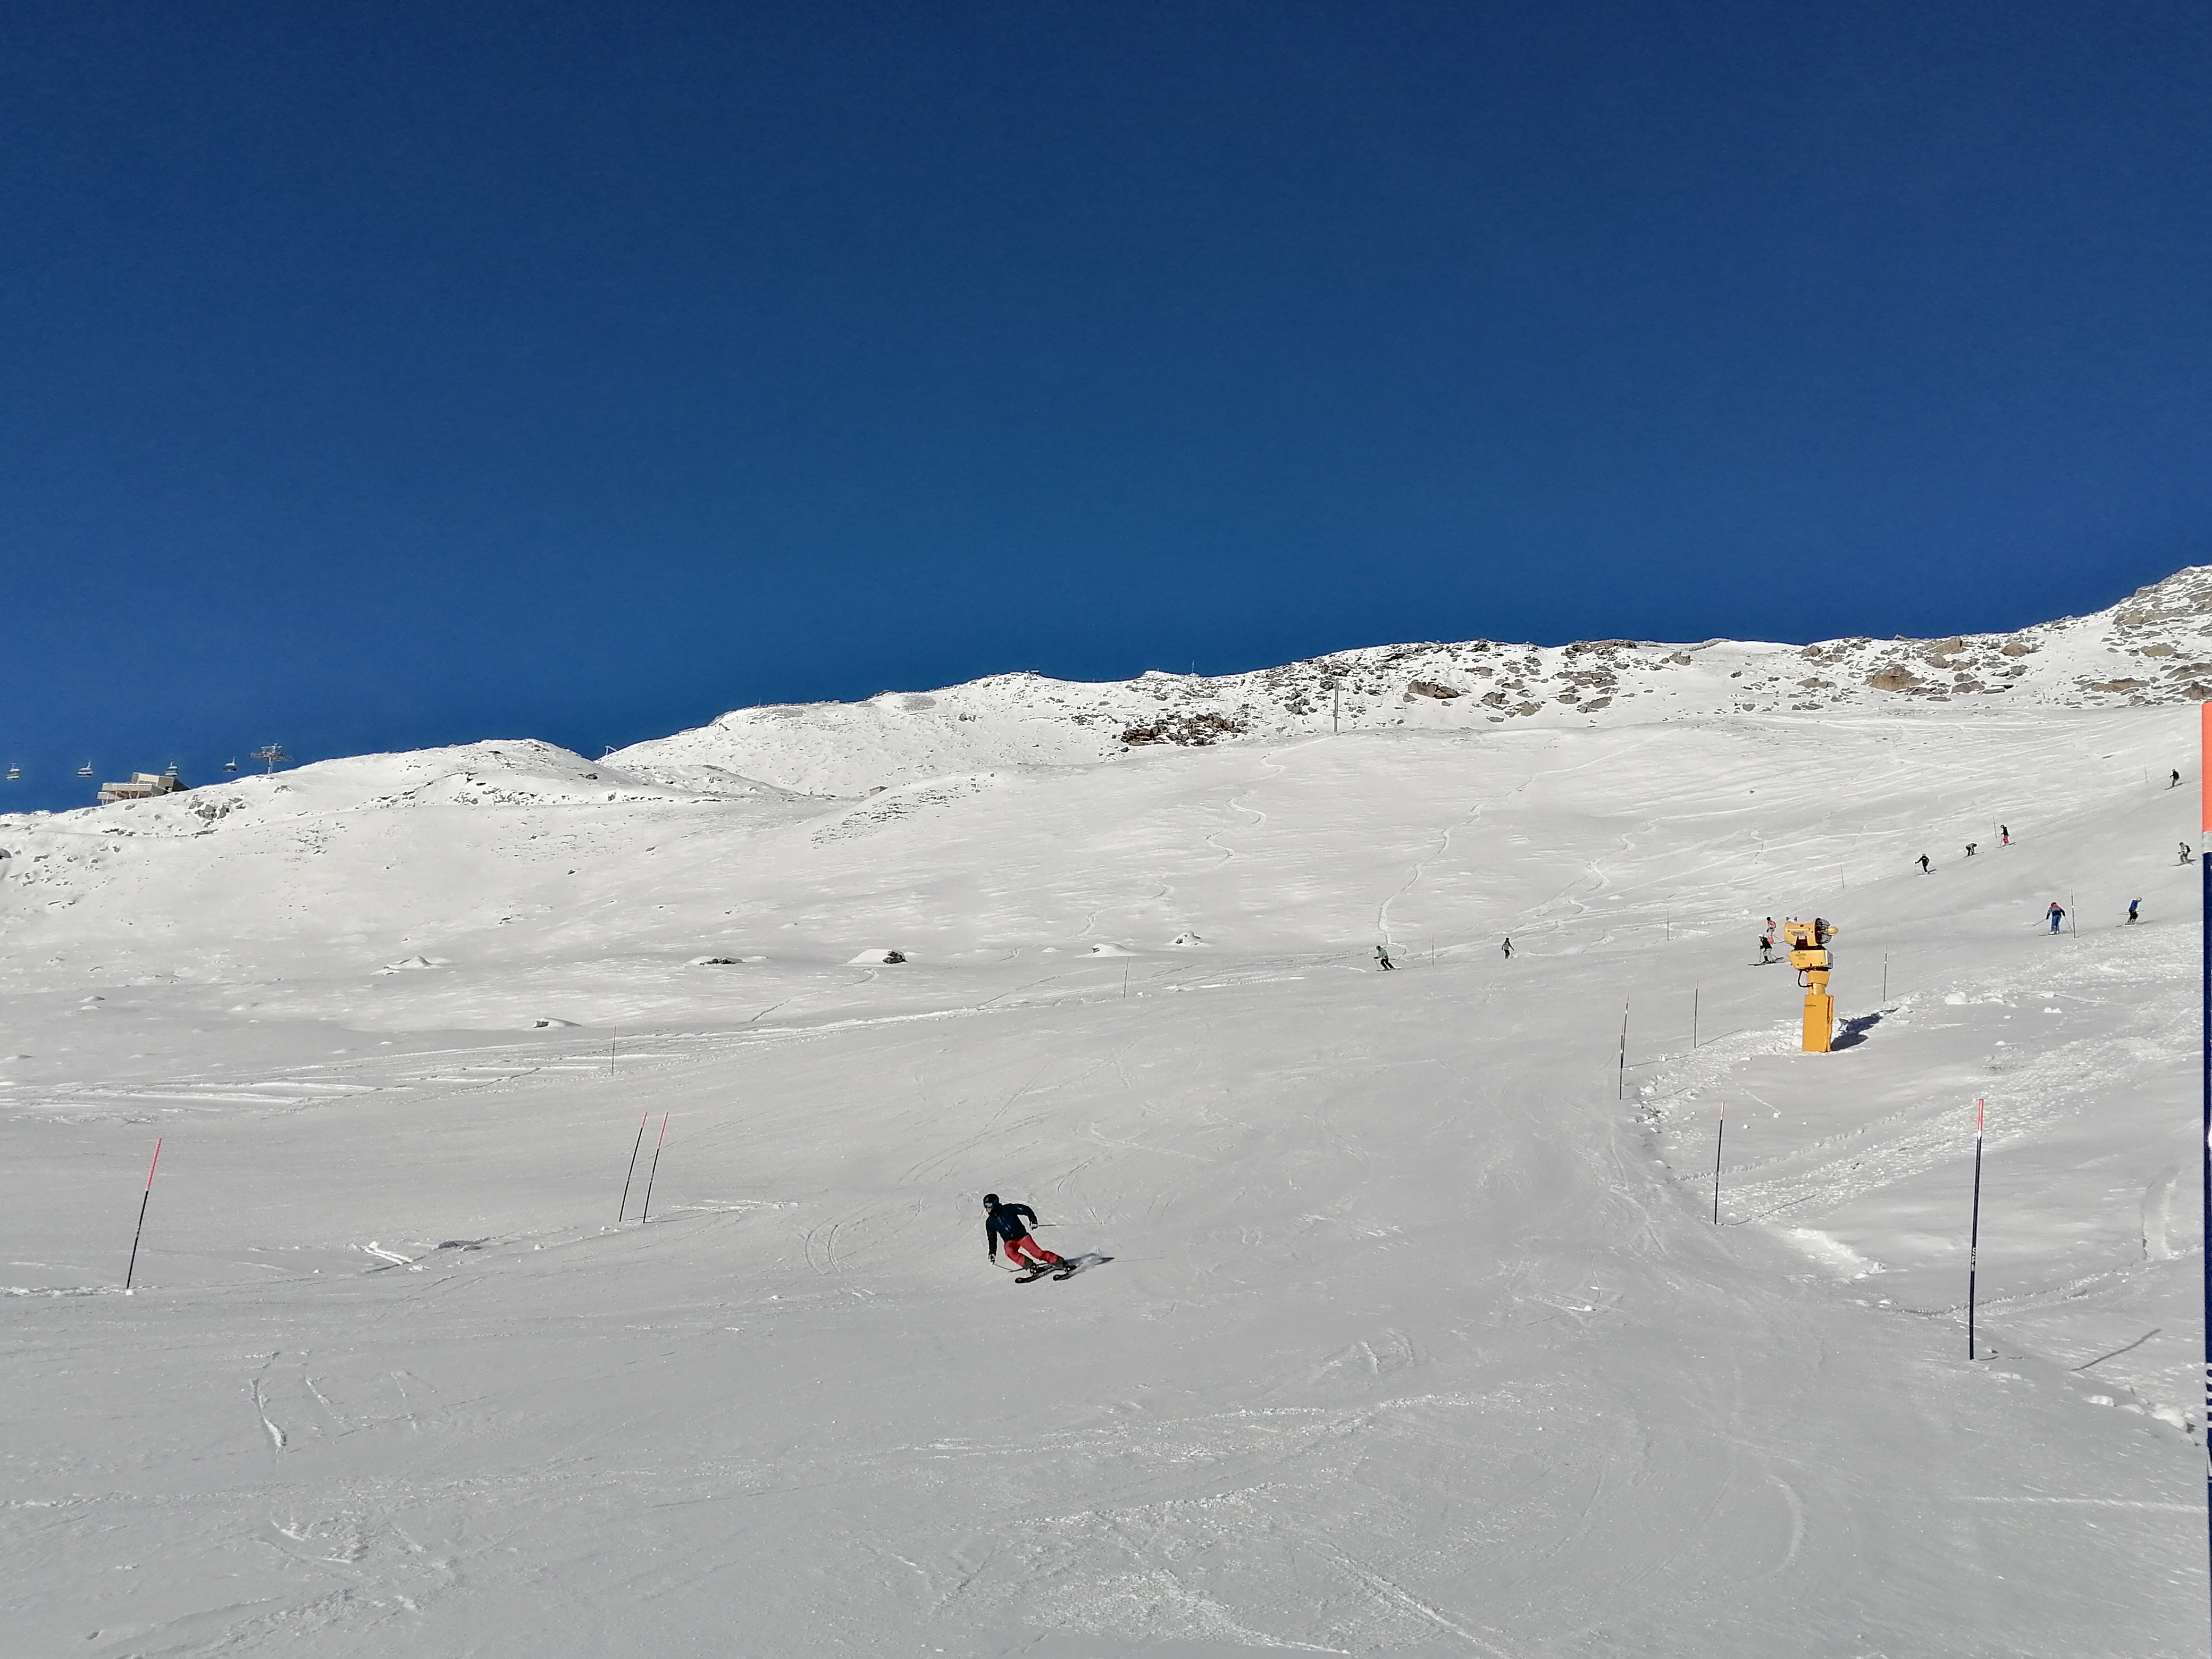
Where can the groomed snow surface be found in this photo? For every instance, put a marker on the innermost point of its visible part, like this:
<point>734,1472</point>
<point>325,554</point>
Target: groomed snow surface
<point>1417,1337</point>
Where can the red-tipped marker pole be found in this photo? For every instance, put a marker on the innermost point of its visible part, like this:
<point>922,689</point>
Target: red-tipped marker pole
<point>655,1169</point>
<point>632,1176</point>
<point>1719,1130</point>
<point>130,1270</point>
<point>1974,1229</point>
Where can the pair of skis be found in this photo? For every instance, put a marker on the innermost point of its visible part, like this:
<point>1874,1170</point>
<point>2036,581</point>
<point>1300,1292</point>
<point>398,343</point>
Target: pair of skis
<point>1065,1270</point>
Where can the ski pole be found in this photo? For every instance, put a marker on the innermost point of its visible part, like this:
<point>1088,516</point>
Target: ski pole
<point>643,1213</point>
<point>633,1146</point>
<point>129,1272</point>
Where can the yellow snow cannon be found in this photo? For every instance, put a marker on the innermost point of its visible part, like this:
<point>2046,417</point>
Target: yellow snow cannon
<point>1808,955</point>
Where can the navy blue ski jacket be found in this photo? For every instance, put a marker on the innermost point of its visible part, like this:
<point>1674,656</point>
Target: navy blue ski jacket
<point>1003,1221</point>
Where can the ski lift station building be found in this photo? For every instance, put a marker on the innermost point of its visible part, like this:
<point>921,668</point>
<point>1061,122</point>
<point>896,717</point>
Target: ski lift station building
<point>140,787</point>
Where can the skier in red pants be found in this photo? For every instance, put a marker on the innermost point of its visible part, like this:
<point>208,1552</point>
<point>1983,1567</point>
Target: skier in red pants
<point>1002,1224</point>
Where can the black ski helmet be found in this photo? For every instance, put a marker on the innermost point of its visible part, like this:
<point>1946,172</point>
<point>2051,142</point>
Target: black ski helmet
<point>991,1199</point>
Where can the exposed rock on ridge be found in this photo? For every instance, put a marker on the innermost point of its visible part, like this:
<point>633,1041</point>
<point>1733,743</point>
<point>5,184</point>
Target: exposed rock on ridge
<point>2154,646</point>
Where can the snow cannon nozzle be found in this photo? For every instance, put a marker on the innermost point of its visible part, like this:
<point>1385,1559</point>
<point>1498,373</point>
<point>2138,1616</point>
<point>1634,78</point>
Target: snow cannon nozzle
<point>1807,943</point>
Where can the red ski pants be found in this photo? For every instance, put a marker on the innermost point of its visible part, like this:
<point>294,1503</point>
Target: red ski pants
<point>1026,1252</point>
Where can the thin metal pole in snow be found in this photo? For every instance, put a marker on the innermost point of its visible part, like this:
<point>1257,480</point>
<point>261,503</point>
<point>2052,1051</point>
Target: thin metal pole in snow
<point>1719,1130</point>
<point>1974,1229</point>
<point>1885,978</point>
<point>130,1270</point>
<point>2073,916</point>
<point>611,1041</point>
<point>632,1176</point>
<point>1696,991</point>
<point>1623,1093</point>
<point>646,1211</point>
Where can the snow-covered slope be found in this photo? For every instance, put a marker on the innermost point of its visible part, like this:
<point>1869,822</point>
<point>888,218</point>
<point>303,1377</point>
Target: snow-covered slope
<point>2153,648</point>
<point>1407,1328</point>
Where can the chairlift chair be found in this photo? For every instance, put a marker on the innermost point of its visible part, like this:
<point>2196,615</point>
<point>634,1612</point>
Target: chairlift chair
<point>14,774</point>
<point>230,766</point>
<point>85,770</point>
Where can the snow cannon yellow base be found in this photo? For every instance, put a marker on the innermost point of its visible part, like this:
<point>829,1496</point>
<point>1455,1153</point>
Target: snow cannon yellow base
<point>1808,955</point>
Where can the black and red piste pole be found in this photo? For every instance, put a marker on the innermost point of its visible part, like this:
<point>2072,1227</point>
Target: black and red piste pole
<point>130,1270</point>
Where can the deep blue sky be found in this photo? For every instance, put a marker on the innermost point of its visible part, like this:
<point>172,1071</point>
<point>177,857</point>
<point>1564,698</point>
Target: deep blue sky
<point>381,374</point>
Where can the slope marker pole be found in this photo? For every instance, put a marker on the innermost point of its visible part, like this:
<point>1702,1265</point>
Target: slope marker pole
<point>130,1270</point>
<point>646,1211</point>
<point>1719,1130</point>
<point>1885,979</point>
<point>1974,1229</point>
<point>633,1146</point>
<point>611,1041</point>
<point>1623,1091</point>
<point>1696,991</point>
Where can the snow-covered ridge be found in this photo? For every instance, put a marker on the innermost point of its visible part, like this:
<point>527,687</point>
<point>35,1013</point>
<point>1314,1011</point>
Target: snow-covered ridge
<point>2155,647</point>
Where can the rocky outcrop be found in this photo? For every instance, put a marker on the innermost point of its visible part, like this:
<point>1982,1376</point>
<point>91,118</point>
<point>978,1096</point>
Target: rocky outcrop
<point>2154,646</point>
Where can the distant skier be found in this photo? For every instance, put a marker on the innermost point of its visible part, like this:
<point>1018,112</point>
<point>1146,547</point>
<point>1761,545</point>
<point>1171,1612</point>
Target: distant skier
<point>2056,912</point>
<point>1923,864</point>
<point>1766,947</point>
<point>2004,835</point>
<point>1383,956</point>
<point>2184,851</point>
<point>1508,947</point>
<point>1969,847</point>
<point>2132,917</point>
<point>1002,1224</point>
<point>2176,782</point>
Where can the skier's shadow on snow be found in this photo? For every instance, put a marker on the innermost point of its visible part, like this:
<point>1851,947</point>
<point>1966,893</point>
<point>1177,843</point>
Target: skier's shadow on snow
<point>1072,1265</point>
<point>1855,1030</point>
